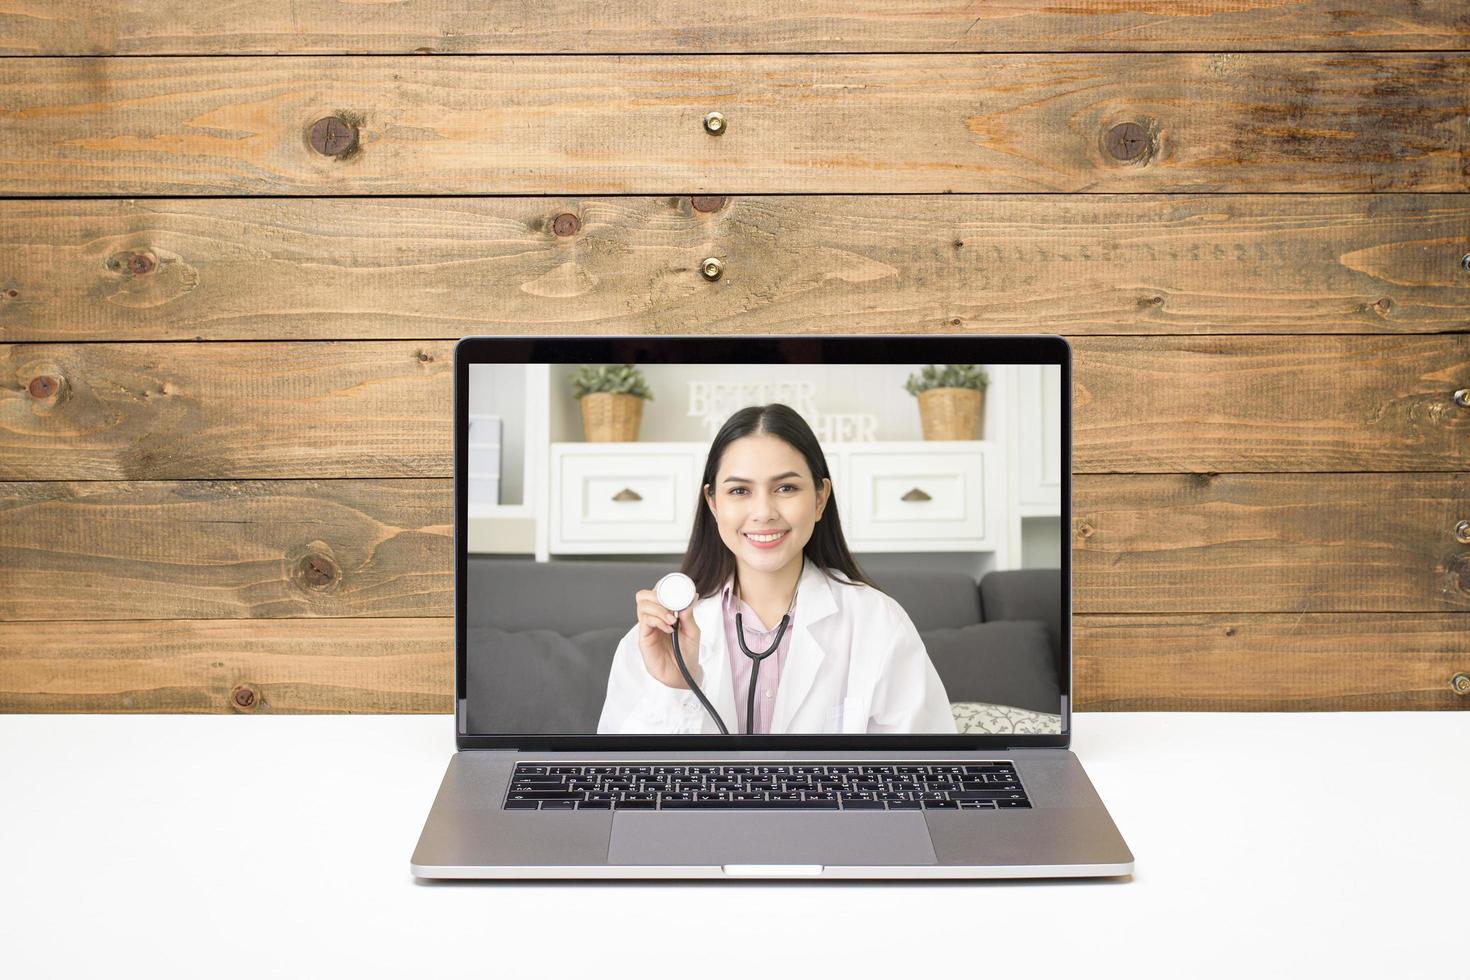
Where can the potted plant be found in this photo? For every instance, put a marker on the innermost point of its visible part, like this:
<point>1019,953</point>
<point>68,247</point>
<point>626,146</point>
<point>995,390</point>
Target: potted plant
<point>612,397</point>
<point>951,399</point>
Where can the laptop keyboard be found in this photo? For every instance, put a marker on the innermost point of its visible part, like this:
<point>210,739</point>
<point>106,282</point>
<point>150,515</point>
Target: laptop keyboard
<point>807,786</point>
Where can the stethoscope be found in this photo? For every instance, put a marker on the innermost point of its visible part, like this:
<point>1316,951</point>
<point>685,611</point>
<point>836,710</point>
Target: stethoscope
<point>676,592</point>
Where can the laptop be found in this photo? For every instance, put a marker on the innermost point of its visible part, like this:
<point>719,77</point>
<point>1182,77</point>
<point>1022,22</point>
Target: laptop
<point>764,607</point>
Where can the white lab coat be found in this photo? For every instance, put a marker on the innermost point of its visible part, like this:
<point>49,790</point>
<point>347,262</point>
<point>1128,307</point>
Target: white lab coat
<point>855,664</point>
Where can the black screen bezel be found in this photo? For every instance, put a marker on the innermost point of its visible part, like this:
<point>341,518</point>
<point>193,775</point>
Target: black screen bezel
<point>867,349</point>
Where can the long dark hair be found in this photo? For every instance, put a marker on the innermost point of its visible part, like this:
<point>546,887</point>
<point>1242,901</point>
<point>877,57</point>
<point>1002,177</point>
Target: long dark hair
<point>707,561</point>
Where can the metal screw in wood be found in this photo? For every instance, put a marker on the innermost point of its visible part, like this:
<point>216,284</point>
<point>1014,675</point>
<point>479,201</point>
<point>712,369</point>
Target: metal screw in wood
<point>1465,261</point>
<point>1462,532</point>
<point>712,269</point>
<point>1462,398</point>
<point>714,123</point>
<point>1460,684</point>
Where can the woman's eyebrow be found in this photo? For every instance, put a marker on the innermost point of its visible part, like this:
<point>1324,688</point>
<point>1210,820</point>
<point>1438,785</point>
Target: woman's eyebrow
<point>783,476</point>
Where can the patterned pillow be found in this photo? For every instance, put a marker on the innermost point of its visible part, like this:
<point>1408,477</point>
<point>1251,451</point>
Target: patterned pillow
<point>979,718</point>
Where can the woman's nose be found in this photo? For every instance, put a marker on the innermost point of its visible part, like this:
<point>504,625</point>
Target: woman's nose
<point>765,507</point>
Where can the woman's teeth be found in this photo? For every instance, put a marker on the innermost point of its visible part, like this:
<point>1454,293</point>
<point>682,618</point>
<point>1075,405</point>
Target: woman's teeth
<point>766,538</point>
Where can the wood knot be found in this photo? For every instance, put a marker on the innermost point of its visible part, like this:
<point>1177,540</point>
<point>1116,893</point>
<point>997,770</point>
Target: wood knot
<point>566,225</point>
<point>1230,631</point>
<point>706,203</point>
<point>1459,572</point>
<point>142,263</point>
<point>317,572</point>
<point>1128,142</point>
<point>43,386</point>
<point>1085,530</point>
<point>244,697</point>
<point>1383,307</point>
<point>334,136</point>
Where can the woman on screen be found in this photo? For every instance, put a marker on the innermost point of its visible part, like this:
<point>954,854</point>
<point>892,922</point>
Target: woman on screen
<point>781,602</point>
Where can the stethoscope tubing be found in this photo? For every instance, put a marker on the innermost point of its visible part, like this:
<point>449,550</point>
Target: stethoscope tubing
<point>679,659</point>
<point>755,666</point>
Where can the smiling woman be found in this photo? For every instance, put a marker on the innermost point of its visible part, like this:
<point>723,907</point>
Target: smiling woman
<point>785,614</point>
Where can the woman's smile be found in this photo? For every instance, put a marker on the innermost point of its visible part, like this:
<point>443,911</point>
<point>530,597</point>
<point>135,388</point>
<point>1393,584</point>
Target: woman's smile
<point>766,539</point>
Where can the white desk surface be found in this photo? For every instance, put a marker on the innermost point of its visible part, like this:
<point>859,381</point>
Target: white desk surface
<point>1303,845</point>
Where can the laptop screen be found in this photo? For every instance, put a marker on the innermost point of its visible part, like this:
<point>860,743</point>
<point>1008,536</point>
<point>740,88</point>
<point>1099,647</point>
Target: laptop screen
<point>819,538</point>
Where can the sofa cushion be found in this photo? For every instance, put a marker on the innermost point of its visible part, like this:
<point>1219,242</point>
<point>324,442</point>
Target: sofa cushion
<point>1025,593</point>
<point>1007,662</point>
<point>977,718</point>
<point>537,682</point>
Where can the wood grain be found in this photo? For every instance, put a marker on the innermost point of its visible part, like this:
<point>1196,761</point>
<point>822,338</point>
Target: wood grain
<point>383,409</point>
<point>1250,662</point>
<point>43,27</point>
<point>226,550</point>
<point>1299,543</point>
<point>799,123</point>
<point>1255,662</point>
<point>1297,404</point>
<point>291,666</point>
<point>113,270</point>
<point>1288,543</point>
<point>189,411</point>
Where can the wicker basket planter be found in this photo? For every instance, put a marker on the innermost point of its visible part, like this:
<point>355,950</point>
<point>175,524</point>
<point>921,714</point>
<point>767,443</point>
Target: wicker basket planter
<point>951,413</point>
<point>610,417</point>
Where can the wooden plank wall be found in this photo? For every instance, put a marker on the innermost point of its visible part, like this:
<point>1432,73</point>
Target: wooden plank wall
<point>225,402</point>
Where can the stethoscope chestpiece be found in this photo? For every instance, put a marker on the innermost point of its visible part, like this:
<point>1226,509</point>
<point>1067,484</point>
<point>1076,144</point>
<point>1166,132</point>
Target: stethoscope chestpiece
<point>675,591</point>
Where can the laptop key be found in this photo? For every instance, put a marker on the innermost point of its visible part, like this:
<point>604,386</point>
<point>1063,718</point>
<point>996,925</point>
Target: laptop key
<point>522,804</point>
<point>634,804</point>
<point>940,805</point>
<point>862,804</point>
<point>986,796</point>
<point>558,804</point>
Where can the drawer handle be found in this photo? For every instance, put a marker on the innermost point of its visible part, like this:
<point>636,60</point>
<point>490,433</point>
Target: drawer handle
<point>627,494</point>
<point>916,494</point>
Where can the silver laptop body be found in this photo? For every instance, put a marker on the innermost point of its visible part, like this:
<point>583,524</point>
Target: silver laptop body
<point>1063,829</point>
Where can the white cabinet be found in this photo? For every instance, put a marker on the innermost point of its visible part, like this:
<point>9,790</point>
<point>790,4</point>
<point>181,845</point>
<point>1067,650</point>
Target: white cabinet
<point>640,497</point>
<point>622,498</point>
<point>923,496</point>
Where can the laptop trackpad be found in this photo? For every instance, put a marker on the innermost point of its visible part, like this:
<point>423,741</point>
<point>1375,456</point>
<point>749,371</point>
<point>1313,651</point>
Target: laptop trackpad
<point>705,837</point>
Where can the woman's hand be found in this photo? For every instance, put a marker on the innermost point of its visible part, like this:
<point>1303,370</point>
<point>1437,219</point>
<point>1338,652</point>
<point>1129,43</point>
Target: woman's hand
<point>656,640</point>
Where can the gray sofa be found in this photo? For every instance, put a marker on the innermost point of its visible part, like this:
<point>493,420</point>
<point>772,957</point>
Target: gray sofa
<point>541,636</point>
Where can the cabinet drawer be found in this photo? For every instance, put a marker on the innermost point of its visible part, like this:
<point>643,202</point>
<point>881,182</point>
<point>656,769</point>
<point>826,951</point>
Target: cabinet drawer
<point>917,496</point>
<point>638,502</point>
